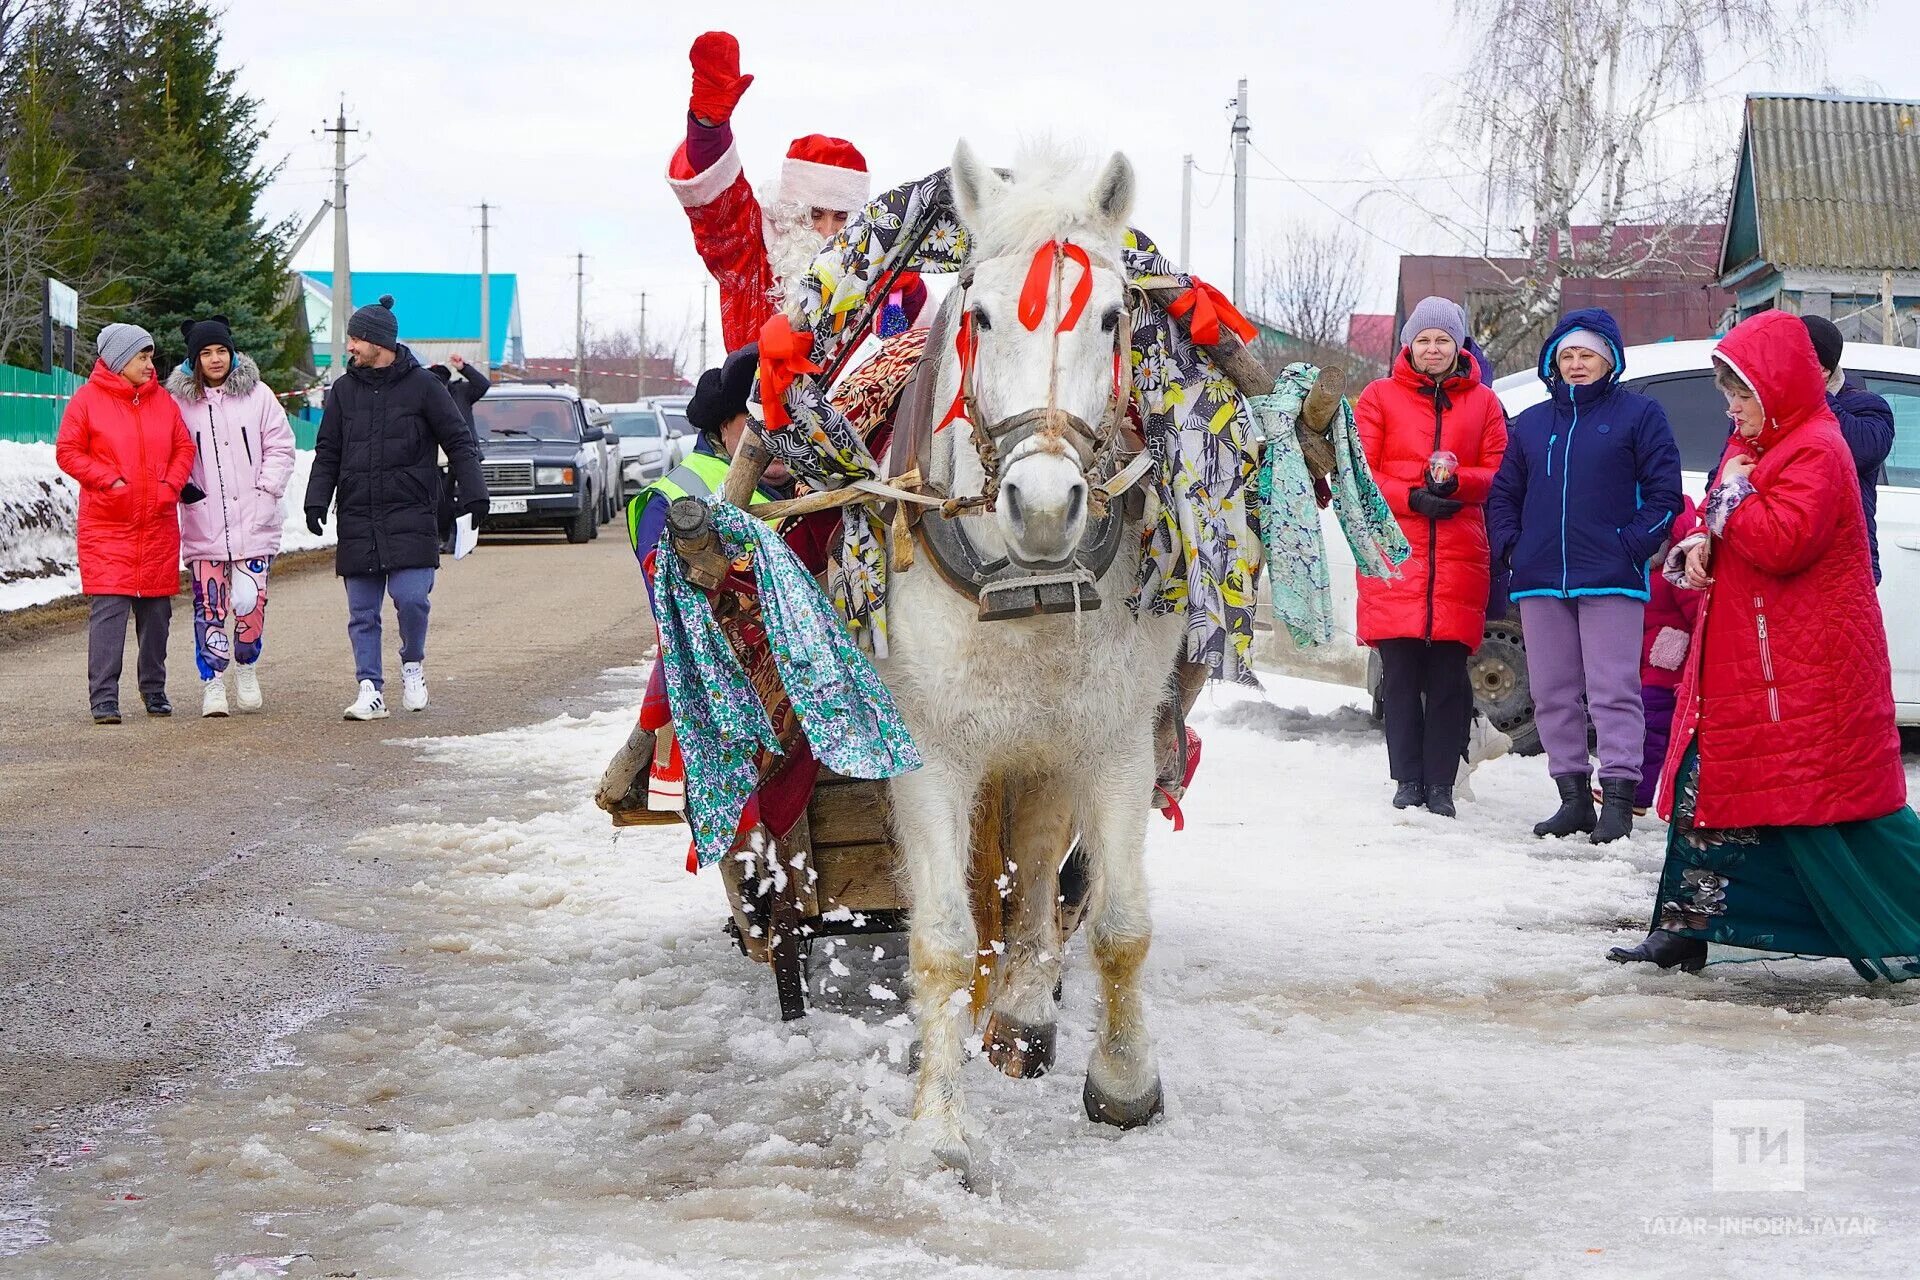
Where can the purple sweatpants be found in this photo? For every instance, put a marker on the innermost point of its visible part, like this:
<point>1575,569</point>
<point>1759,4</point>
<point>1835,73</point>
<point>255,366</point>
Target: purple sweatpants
<point>1590,646</point>
<point>1660,701</point>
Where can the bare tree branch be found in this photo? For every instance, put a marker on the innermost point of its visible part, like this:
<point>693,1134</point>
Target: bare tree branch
<point>1564,107</point>
<point>1307,285</point>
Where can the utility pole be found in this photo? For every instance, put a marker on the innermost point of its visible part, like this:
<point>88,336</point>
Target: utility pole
<point>579,321</point>
<point>703,329</point>
<point>342,270</point>
<point>486,297</point>
<point>1889,320</point>
<point>644,353</point>
<point>1240,130</point>
<point>1186,213</point>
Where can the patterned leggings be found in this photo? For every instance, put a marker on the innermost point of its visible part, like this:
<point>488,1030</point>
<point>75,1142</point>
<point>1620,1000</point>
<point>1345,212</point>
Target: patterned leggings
<point>225,589</point>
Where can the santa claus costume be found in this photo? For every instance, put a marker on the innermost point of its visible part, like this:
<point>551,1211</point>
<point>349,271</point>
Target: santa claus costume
<point>750,245</point>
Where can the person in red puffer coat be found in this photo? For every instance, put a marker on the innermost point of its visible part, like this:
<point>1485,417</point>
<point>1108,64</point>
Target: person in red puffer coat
<point>122,439</point>
<point>1666,637</point>
<point>1434,434</point>
<point>1790,829</point>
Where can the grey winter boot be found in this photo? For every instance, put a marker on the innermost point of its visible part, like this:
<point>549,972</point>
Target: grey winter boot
<point>1616,810</point>
<point>1575,813</point>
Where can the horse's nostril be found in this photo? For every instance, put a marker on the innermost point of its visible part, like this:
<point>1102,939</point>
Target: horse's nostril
<point>1011,493</point>
<point>1076,502</point>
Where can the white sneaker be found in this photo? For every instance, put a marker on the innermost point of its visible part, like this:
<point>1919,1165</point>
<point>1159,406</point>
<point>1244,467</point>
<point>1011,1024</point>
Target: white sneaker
<point>413,691</point>
<point>213,698</point>
<point>246,688</point>
<point>369,705</point>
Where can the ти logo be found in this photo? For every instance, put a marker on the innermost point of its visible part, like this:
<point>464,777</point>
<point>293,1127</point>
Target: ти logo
<point>1760,1145</point>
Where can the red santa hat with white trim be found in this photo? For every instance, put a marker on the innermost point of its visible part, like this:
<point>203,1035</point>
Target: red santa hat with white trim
<point>825,173</point>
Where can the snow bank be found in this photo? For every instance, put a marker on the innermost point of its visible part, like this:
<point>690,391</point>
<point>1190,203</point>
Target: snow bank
<point>39,507</point>
<point>1390,1044</point>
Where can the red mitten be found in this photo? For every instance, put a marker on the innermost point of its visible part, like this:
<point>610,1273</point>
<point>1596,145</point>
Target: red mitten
<point>717,82</point>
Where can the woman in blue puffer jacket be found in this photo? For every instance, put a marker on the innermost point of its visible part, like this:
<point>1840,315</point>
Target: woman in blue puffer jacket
<point>1584,497</point>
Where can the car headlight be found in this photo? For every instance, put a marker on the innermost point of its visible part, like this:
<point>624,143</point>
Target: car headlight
<point>550,476</point>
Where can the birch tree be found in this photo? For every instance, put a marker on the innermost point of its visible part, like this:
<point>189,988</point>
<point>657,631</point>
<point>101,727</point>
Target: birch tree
<point>1572,110</point>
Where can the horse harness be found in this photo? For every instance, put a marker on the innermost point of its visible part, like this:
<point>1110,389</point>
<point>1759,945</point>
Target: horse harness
<point>1002,586</point>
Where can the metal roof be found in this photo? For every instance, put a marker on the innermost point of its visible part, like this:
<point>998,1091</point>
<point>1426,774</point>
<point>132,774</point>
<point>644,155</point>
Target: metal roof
<point>1836,181</point>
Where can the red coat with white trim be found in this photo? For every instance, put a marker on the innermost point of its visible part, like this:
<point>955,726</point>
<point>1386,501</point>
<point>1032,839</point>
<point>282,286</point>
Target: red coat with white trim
<point>129,533</point>
<point>1441,593</point>
<point>729,234</point>
<point>1788,688</point>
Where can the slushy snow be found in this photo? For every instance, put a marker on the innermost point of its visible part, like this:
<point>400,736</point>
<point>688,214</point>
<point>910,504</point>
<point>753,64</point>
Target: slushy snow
<point>39,513</point>
<point>1390,1044</point>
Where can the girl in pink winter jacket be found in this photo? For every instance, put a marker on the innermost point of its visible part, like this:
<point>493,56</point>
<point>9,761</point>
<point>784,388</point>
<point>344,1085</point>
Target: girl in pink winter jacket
<point>230,532</point>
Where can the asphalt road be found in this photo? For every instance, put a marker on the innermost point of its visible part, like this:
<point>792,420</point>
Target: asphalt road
<point>146,922</point>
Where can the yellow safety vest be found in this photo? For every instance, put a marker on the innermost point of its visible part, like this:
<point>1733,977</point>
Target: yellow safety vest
<point>700,476</point>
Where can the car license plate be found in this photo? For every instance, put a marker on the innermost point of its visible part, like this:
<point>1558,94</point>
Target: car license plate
<point>507,506</point>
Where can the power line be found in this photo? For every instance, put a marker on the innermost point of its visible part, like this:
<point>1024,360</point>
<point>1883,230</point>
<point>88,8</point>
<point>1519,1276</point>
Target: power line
<point>1337,212</point>
<point>1339,182</point>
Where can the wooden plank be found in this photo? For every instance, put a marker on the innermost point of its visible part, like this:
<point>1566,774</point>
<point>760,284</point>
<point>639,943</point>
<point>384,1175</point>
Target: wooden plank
<point>860,877</point>
<point>854,812</point>
<point>986,869</point>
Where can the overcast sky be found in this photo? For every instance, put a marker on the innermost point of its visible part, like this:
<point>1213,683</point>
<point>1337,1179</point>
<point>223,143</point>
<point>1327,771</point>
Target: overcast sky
<point>563,114</point>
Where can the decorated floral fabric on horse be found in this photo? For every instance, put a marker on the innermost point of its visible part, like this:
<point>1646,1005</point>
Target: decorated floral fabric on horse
<point>1200,545</point>
<point>1288,510</point>
<point>849,717</point>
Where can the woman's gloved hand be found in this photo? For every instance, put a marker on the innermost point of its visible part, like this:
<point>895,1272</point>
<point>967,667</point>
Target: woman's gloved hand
<point>1429,503</point>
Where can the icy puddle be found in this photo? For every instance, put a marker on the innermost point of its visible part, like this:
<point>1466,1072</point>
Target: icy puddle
<point>1390,1044</point>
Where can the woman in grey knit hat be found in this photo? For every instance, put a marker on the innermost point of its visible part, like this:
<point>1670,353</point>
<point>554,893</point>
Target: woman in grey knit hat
<point>123,442</point>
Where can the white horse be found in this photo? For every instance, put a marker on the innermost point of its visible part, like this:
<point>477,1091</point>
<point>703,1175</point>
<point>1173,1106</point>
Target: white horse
<point>1061,707</point>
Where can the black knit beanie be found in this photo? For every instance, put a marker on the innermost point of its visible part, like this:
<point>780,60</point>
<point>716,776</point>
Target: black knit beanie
<point>1827,342</point>
<point>375,323</point>
<point>201,334</point>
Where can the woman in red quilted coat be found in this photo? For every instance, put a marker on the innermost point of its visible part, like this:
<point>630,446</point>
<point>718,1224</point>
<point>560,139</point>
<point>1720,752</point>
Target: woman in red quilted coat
<point>123,441</point>
<point>1433,435</point>
<point>1790,829</point>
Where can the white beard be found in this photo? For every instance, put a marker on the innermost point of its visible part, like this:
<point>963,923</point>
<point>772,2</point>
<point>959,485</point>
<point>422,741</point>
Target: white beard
<point>792,244</point>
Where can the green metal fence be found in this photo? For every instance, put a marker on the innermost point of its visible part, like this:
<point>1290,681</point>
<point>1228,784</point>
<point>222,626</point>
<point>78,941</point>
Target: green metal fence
<point>31,403</point>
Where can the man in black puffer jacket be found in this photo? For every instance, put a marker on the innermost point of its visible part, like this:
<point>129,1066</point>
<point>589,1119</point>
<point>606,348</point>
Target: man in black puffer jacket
<point>384,419</point>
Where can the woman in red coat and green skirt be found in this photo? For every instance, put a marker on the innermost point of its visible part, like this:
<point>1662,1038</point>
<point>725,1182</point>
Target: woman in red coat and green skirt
<point>1790,830</point>
<point>1433,433</point>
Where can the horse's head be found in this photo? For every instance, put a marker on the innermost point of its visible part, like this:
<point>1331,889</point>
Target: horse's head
<point>1045,333</point>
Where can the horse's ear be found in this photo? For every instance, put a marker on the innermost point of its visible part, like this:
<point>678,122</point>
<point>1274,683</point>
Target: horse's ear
<point>974,184</point>
<point>1113,193</point>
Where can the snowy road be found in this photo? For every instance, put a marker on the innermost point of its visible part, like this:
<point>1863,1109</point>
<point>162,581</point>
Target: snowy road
<point>1390,1045</point>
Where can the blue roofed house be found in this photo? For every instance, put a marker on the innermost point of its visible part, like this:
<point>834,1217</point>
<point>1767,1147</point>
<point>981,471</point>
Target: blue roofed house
<point>1825,216</point>
<point>439,313</point>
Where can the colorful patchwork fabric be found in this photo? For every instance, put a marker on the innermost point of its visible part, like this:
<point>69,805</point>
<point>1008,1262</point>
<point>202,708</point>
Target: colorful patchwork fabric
<point>1289,514</point>
<point>721,725</point>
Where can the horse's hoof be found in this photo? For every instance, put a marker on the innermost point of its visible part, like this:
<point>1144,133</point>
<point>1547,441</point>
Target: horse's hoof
<point>959,1162</point>
<point>1019,1049</point>
<point>1121,1113</point>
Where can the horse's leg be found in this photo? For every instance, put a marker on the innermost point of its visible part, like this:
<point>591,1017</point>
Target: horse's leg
<point>1123,1082</point>
<point>932,815</point>
<point>1020,1031</point>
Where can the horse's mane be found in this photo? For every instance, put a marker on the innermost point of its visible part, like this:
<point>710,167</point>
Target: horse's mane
<point>1049,196</point>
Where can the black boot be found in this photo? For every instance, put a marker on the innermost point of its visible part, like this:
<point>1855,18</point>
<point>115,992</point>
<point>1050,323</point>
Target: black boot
<point>1409,795</point>
<point>1616,810</point>
<point>157,704</point>
<point>1440,801</point>
<point>1664,949</point>
<point>1576,807</point>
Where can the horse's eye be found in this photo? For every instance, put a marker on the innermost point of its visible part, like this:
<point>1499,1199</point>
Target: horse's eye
<point>980,320</point>
<point>1110,321</point>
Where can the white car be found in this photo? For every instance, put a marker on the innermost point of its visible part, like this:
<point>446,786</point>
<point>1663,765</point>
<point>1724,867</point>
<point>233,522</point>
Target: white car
<point>644,445</point>
<point>1679,375</point>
